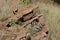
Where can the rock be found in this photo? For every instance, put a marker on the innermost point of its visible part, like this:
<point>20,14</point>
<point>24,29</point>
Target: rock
<point>57,1</point>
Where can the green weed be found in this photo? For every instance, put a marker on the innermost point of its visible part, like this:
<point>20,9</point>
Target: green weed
<point>31,31</point>
<point>23,2</point>
<point>13,22</point>
<point>4,18</point>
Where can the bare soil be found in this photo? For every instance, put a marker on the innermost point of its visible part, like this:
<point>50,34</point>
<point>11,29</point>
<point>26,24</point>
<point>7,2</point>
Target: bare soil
<point>28,24</point>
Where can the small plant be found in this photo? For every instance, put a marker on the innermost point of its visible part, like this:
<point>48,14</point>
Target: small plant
<point>21,2</point>
<point>24,2</point>
<point>31,31</point>
<point>4,18</point>
<point>27,1</point>
<point>13,22</point>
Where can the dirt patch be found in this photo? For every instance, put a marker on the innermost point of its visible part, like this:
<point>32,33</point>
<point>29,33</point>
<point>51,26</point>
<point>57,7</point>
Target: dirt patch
<point>25,24</point>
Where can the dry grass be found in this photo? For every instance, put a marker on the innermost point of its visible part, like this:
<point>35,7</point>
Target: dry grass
<point>52,15</point>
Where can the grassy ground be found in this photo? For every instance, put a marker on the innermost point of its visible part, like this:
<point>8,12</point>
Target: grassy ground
<point>52,15</point>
